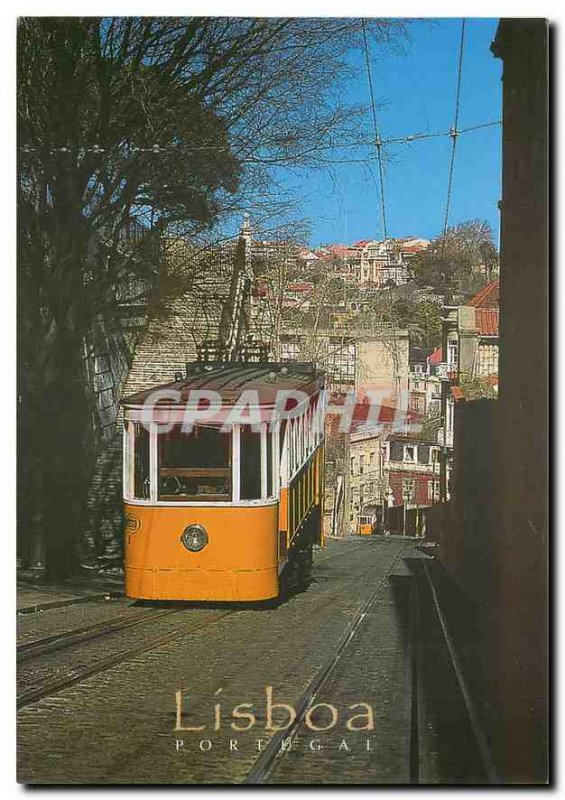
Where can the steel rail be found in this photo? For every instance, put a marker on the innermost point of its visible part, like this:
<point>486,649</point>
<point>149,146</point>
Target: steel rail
<point>58,684</point>
<point>60,641</point>
<point>49,605</point>
<point>262,767</point>
<point>478,733</point>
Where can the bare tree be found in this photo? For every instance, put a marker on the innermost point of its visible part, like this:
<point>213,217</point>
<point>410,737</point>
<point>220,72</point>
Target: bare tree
<point>458,262</point>
<point>128,129</point>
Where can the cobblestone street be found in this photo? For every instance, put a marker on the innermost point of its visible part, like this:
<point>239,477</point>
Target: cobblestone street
<point>112,691</point>
<point>117,717</point>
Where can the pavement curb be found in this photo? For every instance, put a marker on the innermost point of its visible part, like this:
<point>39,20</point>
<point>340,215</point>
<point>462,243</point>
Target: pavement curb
<point>33,609</point>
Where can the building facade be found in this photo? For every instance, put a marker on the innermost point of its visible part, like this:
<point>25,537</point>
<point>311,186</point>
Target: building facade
<point>366,474</point>
<point>412,470</point>
<point>370,262</point>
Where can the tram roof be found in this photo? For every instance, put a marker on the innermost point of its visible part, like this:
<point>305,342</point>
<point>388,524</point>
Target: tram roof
<point>231,379</point>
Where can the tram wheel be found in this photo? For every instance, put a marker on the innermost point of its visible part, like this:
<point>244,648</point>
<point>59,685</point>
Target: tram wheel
<point>297,572</point>
<point>305,561</point>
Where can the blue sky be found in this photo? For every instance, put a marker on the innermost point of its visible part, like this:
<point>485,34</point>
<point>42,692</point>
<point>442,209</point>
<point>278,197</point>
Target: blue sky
<point>415,92</point>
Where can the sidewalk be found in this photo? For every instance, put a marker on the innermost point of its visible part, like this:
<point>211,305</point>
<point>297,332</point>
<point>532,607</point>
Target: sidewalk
<point>34,594</point>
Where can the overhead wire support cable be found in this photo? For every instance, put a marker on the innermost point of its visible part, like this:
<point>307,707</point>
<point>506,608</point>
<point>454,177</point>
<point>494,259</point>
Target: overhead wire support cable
<point>157,149</point>
<point>379,146</point>
<point>454,133</point>
<point>378,141</point>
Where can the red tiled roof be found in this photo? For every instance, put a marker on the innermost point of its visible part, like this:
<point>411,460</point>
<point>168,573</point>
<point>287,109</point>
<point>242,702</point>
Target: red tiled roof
<point>436,356</point>
<point>412,248</point>
<point>486,320</point>
<point>361,242</point>
<point>300,287</point>
<point>457,393</point>
<point>335,251</point>
<point>488,297</point>
<point>362,415</point>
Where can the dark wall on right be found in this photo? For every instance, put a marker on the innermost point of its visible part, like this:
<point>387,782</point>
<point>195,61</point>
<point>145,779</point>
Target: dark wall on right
<point>522,660</point>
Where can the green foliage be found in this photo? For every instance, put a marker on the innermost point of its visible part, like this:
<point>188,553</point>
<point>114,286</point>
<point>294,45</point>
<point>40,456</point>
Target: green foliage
<point>430,428</point>
<point>420,316</point>
<point>477,388</point>
<point>428,317</point>
<point>459,262</point>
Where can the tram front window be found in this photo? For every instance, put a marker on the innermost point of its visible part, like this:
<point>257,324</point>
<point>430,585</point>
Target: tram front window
<point>195,466</point>
<point>256,469</point>
<point>250,464</point>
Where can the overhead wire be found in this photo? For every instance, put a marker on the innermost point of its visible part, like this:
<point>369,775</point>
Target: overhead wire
<point>454,133</point>
<point>378,141</point>
<point>156,149</point>
<point>379,147</point>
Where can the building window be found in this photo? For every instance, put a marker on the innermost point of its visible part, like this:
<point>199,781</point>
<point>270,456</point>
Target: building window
<point>408,489</point>
<point>372,458</point>
<point>290,351</point>
<point>353,465</point>
<point>361,464</point>
<point>433,490</point>
<point>487,360</point>
<point>339,360</point>
<point>452,354</point>
<point>410,453</point>
<point>418,403</point>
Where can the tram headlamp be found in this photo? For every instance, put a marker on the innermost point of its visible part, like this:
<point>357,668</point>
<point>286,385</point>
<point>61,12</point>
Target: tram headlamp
<point>194,538</point>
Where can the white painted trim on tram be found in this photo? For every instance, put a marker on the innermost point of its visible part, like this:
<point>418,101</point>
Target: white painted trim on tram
<point>275,463</point>
<point>153,463</point>
<point>263,460</point>
<point>236,464</point>
<point>271,501</point>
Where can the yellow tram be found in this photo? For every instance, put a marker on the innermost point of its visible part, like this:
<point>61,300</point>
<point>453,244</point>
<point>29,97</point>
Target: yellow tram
<point>365,525</point>
<point>223,482</point>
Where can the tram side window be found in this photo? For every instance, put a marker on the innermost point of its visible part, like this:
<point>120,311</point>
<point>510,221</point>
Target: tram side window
<point>195,466</point>
<point>250,469</point>
<point>140,461</point>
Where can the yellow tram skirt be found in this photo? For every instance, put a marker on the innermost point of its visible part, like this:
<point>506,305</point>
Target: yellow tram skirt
<point>239,562</point>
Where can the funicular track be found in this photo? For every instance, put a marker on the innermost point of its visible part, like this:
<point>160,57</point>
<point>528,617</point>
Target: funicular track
<point>263,766</point>
<point>60,641</point>
<point>81,673</point>
<point>427,629</point>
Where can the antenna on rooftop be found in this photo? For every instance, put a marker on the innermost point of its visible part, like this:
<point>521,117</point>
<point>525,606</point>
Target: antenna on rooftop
<point>246,228</point>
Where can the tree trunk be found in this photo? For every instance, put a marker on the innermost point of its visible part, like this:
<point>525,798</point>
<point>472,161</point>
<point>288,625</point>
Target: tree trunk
<point>67,456</point>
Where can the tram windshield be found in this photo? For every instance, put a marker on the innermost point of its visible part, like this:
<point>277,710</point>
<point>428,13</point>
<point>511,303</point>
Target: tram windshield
<point>204,465</point>
<point>196,465</point>
<point>250,464</point>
